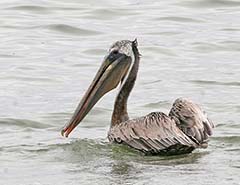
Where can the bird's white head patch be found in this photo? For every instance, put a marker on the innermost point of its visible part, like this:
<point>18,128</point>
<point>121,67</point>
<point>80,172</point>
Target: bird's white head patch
<point>124,47</point>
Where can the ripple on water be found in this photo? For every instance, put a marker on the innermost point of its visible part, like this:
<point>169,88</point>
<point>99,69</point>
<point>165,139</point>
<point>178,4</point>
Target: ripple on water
<point>124,153</point>
<point>209,3</point>
<point>230,29</point>
<point>31,8</point>
<point>161,50</point>
<point>165,33</point>
<point>43,9</point>
<point>29,79</point>
<point>205,47</point>
<point>10,56</point>
<point>231,45</point>
<point>157,104</point>
<point>228,139</point>
<point>23,123</point>
<point>109,14</point>
<point>76,145</point>
<point>152,82</point>
<point>61,28</point>
<point>98,52</point>
<point>179,19</point>
<point>212,82</point>
<point>75,151</point>
<point>87,150</point>
<point>64,28</point>
<point>90,121</point>
<point>92,149</point>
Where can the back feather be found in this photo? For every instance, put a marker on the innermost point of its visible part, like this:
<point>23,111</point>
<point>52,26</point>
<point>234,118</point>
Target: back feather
<point>192,121</point>
<point>155,133</point>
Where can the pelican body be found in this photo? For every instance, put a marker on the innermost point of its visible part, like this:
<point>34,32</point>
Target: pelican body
<point>184,129</point>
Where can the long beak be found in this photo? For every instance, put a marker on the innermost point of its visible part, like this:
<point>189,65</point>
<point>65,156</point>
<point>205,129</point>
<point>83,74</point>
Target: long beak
<point>107,78</point>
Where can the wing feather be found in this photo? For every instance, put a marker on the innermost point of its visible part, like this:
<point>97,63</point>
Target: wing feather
<point>155,133</point>
<point>192,120</point>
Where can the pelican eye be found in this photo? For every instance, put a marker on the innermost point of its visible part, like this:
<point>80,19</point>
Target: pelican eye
<point>115,52</point>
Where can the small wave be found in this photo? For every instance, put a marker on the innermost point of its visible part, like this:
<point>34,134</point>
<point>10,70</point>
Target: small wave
<point>228,139</point>
<point>209,3</point>
<point>73,145</point>
<point>233,150</point>
<point>161,50</point>
<point>126,153</point>
<point>211,82</point>
<point>179,19</point>
<point>157,104</point>
<point>10,56</point>
<point>71,30</point>
<point>84,150</point>
<point>30,8</point>
<point>235,166</point>
<point>94,51</point>
<point>167,33</point>
<point>231,45</point>
<point>230,29</point>
<point>58,27</point>
<point>152,82</point>
<point>24,123</point>
<point>29,79</point>
<point>44,9</point>
<point>216,47</point>
<point>109,14</point>
<point>208,47</point>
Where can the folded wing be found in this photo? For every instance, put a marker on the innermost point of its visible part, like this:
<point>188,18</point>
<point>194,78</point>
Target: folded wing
<point>189,117</point>
<point>155,133</point>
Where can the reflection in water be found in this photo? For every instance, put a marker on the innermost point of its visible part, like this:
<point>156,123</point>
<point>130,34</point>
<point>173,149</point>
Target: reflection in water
<point>128,166</point>
<point>123,173</point>
<point>121,169</point>
<point>137,157</point>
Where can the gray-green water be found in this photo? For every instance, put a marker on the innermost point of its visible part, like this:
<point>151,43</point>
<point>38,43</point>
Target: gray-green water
<point>49,53</point>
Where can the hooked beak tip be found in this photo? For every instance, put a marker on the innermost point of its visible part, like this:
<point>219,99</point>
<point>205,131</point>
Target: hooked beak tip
<point>67,130</point>
<point>63,133</point>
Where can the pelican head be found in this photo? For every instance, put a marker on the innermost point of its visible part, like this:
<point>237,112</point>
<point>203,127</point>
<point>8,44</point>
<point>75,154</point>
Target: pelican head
<point>115,68</point>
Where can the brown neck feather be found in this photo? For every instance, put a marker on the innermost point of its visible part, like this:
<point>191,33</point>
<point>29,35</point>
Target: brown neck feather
<point>120,113</point>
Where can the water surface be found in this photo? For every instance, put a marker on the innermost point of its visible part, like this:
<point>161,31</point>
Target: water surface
<point>49,53</point>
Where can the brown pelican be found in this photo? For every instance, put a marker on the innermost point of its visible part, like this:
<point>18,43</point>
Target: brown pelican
<point>185,128</point>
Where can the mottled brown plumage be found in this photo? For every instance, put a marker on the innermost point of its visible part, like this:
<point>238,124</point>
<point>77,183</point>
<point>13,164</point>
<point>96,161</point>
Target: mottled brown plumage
<point>192,121</point>
<point>184,129</point>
